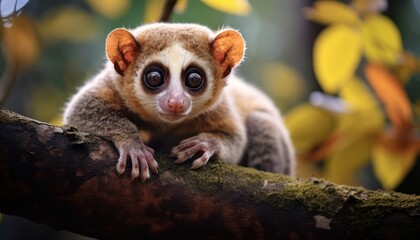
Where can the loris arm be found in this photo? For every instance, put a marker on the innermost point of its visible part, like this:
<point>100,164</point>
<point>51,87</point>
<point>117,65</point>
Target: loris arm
<point>221,136</point>
<point>90,113</point>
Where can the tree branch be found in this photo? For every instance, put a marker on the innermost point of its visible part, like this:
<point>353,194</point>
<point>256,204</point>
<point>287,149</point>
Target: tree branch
<point>67,179</point>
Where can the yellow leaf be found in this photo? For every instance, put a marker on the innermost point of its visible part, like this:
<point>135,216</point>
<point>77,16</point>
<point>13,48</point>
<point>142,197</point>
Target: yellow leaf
<point>347,158</point>
<point>20,42</point>
<point>153,10</point>
<point>337,52</point>
<point>68,23</point>
<point>391,93</point>
<point>180,6</point>
<point>309,126</point>
<point>327,12</point>
<point>358,96</point>
<point>282,81</point>
<point>237,7</point>
<point>389,167</point>
<point>364,115</point>
<point>381,40</point>
<point>372,6</point>
<point>111,9</point>
<point>360,122</point>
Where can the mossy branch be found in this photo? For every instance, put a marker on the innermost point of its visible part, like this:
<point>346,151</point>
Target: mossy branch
<point>67,179</point>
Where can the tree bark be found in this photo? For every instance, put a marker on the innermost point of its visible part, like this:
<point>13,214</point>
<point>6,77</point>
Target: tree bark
<point>67,179</point>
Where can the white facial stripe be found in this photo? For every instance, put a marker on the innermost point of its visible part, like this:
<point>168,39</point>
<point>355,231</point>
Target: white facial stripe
<point>173,59</point>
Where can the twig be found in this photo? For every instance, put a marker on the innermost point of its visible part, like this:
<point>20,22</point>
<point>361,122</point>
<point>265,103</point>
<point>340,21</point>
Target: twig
<point>167,10</point>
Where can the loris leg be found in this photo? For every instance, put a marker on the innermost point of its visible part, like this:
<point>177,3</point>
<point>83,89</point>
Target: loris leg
<point>269,147</point>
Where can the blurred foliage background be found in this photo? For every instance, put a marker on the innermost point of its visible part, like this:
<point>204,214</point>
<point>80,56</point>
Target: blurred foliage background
<point>344,73</point>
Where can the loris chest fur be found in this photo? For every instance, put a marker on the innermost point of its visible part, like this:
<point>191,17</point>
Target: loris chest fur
<point>175,83</point>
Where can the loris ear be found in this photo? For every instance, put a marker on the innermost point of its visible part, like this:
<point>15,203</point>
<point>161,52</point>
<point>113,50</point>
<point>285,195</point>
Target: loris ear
<point>228,49</point>
<point>121,48</point>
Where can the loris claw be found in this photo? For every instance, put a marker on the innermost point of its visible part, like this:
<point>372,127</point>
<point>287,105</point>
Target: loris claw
<point>141,157</point>
<point>189,147</point>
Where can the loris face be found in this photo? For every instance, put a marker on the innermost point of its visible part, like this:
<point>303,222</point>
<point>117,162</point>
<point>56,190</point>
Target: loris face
<point>174,84</point>
<point>173,71</point>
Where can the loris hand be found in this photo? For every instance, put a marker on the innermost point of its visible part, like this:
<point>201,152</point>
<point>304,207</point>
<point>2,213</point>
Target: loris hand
<point>191,146</point>
<point>141,157</point>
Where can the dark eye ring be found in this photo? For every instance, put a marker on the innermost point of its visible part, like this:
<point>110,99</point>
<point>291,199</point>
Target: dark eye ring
<point>194,79</point>
<point>154,78</point>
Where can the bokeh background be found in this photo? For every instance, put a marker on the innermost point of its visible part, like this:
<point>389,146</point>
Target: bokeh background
<point>344,74</point>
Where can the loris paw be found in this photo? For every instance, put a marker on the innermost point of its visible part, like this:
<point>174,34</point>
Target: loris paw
<point>141,158</point>
<point>190,147</point>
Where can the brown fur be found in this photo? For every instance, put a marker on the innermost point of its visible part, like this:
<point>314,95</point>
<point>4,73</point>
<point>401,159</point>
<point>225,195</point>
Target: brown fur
<point>115,105</point>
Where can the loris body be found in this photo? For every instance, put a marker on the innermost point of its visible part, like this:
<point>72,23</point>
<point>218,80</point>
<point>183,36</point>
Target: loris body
<point>175,82</point>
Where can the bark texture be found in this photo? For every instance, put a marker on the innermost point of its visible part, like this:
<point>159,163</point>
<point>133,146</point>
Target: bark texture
<point>67,179</point>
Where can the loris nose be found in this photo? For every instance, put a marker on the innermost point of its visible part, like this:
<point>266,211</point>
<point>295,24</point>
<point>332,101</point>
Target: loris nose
<point>176,105</point>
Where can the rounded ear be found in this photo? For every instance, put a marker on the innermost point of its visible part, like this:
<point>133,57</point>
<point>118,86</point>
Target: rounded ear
<point>228,49</point>
<point>121,48</point>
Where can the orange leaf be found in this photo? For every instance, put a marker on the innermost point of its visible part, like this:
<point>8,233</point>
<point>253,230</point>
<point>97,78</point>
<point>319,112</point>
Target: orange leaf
<point>392,95</point>
<point>321,151</point>
<point>400,143</point>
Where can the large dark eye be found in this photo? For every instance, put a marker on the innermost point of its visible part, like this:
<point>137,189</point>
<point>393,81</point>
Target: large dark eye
<point>154,78</point>
<point>194,79</point>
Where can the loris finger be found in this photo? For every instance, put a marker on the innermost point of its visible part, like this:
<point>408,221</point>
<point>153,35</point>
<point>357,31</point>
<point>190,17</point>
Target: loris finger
<point>196,147</point>
<point>188,153</point>
<point>183,146</point>
<point>202,160</point>
<point>144,171</point>
<point>122,161</point>
<point>150,150</point>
